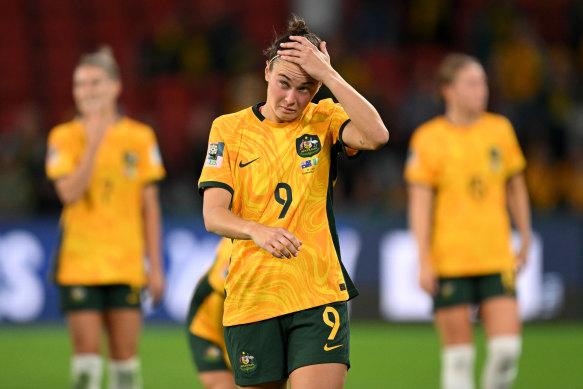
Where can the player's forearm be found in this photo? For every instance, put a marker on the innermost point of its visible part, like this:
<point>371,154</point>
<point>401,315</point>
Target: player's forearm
<point>419,214</point>
<point>519,207</point>
<point>372,133</point>
<point>223,222</point>
<point>153,229</point>
<point>72,187</point>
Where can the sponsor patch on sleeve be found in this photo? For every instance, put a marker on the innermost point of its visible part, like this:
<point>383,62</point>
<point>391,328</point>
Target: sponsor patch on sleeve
<point>214,157</point>
<point>155,157</point>
<point>52,156</point>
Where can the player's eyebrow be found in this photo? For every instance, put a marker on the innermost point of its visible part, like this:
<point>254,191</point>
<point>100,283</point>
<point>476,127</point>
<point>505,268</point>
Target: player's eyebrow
<point>303,83</point>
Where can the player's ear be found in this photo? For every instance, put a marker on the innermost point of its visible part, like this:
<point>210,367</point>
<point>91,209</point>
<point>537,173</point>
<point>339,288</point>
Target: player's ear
<point>267,71</point>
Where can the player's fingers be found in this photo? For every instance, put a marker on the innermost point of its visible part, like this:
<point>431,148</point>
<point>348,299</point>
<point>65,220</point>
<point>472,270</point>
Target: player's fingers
<point>435,288</point>
<point>275,252</point>
<point>293,239</point>
<point>290,53</point>
<point>303,41</point>
<point>281,250</point>
<point>323,48</point>
<point>293,45</point>
<point>289,246</point>
<point>296,60</point>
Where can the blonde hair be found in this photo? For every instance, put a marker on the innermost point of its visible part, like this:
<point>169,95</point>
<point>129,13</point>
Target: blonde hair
<point>102,58</point>
<point>450,65</point>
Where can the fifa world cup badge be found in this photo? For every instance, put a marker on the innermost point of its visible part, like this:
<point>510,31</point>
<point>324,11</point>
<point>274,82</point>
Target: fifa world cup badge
<point>214,157</point>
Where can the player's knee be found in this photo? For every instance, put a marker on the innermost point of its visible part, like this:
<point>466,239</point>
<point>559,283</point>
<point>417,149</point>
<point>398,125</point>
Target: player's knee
<point>502,364</point>
<point>457,371</point>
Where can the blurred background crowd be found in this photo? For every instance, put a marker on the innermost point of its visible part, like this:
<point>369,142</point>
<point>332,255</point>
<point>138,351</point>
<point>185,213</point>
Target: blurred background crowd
<point>184,62</point>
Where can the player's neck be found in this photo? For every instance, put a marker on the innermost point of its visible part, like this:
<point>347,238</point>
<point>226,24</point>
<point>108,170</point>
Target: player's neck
<point>108,117</point>
<point>268,113</point>
<point>462,118</point>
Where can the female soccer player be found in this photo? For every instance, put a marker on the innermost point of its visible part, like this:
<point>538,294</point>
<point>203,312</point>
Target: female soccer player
<point>205,324</point>
<point>463,168</point>
<point>267,183</point>
<point>105,167</point>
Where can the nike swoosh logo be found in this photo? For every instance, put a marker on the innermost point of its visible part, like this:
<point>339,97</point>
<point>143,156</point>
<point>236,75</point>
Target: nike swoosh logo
<point>241,164</point>
<point>326,348</point>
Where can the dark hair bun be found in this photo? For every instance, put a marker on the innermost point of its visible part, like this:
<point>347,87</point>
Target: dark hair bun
<point>297,26</point>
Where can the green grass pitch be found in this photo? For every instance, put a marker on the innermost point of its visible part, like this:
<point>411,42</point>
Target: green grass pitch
<point>383,356</point>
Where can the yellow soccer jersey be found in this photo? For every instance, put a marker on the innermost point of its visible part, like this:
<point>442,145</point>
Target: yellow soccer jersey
<point>207,323</point>
<point>281,175</point>
<point>102,238</point>
<point>468,167</point>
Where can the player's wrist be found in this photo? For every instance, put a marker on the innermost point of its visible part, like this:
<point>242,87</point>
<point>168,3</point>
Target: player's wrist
<point>250,229</point>
<point>331,78</point>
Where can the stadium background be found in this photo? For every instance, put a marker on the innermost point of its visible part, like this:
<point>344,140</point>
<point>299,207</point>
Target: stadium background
<point>185,62</point>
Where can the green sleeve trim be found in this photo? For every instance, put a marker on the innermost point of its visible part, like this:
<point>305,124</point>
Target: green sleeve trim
<point>343,146</point>
<point>214,184</point>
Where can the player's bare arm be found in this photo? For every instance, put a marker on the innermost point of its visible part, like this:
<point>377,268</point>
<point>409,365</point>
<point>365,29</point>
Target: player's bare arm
<point>366,130</point>
<point>152,233</point>
<point>218,219</point>
<point>420,211</point>
<point>518,204</point>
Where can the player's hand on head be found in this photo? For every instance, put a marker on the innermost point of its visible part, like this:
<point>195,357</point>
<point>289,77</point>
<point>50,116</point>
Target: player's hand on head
<point>156,284</point>
<point>314,61</point>
<point>278,241</point>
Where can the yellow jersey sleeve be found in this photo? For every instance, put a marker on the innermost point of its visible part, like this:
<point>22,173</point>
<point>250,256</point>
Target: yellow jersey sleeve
<point>514,161</point>
<point>217,168</point>
<point>62,152</point>
<point>422,164</point>
<point>151,166</point>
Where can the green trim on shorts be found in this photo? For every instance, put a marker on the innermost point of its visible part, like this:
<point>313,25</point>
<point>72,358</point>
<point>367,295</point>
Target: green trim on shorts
<point>207,355</point>
<point>99,297</point>
<point>473,290</point>
<point>269,350</point>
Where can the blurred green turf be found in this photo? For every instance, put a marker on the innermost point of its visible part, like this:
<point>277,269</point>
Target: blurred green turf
<point>383,356</point>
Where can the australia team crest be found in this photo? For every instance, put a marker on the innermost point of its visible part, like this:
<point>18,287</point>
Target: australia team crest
<point>247,363</point>
<point>130,160</point>
<point>308,145</point>
<point>495,159</point>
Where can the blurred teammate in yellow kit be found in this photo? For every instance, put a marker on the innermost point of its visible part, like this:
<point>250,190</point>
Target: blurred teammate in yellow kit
<point>463,169</point>
<point>205,324</point>
<point>105,167</point>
